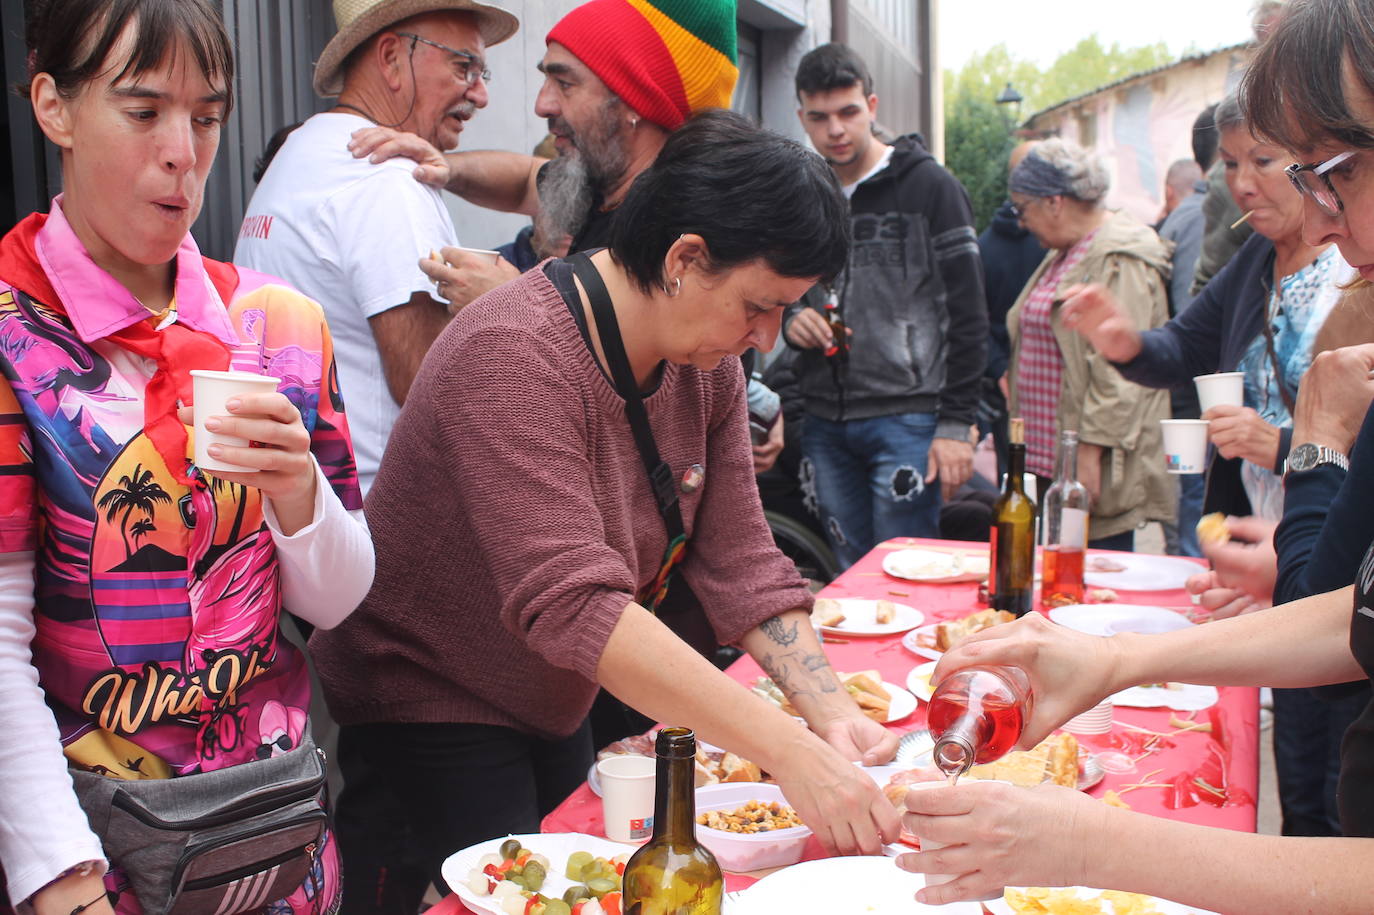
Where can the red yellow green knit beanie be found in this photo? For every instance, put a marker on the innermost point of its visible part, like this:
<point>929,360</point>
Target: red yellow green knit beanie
<point>667,59</point>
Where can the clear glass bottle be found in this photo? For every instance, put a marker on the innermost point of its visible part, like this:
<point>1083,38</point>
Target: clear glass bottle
<point>1011,579</point>
<point>1065,529</point>
<point>673,873</point>
<point>977,715</point>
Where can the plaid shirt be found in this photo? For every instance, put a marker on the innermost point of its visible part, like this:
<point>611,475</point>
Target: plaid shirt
<point>1041,365</point>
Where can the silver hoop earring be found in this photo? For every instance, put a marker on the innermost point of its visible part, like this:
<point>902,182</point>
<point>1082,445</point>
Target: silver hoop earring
<point>677,287</point>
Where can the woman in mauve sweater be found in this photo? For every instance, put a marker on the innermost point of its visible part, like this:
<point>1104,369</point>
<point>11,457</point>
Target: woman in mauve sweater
<point>517,534</point>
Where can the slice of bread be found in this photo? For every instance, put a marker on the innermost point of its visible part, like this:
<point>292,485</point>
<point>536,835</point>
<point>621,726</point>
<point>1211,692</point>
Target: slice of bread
<point>827,612</point>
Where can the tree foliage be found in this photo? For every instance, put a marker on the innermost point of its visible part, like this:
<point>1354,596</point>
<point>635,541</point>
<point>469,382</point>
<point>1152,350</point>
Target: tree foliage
<point>978,134</point>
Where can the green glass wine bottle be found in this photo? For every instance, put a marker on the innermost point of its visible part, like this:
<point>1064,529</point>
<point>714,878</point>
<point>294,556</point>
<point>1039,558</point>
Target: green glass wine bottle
<point>673,873</point>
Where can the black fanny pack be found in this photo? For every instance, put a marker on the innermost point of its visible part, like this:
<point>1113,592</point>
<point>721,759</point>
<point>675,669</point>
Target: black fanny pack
<point>230,840</point>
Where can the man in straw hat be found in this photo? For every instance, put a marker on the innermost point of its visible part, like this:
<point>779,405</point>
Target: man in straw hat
<point>348,232</point>
<point>619,75</point>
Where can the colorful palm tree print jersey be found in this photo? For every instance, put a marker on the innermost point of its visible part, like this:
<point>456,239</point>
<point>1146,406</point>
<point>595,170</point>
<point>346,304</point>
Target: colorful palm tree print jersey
<point>157,603</point>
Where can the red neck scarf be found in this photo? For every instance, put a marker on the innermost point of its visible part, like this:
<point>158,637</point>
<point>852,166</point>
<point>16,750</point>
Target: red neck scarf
<point>176,349</point>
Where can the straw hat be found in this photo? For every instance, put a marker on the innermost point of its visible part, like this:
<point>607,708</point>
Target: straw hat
<point>359,20</point>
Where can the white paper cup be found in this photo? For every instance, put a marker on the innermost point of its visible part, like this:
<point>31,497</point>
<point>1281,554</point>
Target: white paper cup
<point>1224,389</point>
<point>627,796</point>
<point>487,253</point>
<point>1096,720</point>
<point>1185,445</point>
<point>932,845</point>
<point>211,391</point>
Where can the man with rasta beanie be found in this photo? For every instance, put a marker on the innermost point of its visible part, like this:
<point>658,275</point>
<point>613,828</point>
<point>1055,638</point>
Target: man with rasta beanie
<point>619,76</point>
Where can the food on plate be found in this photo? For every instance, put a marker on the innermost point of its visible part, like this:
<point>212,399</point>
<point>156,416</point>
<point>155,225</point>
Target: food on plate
<point>1054,759</point>
<point>949,634</point>
<point>753,817</point>
<point>884,612</point>
<point>1060,599</point>
<point>515,876</point>
<point>922,564</point>
<point>1102,596</point>
<point>1039,900</point>
<point>865,687</point>
<point>1212,529</point>
<point>1105,564</point>
<point>712,766</point>
<point>827,612</point>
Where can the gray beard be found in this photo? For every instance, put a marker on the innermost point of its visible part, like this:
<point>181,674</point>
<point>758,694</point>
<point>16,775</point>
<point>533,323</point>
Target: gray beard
<point>565,197</point>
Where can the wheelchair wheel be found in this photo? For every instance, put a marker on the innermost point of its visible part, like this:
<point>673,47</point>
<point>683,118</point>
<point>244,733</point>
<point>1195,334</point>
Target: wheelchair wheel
<point>808,550</point>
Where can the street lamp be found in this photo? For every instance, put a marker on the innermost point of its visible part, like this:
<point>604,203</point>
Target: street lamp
<point>1009,101</point>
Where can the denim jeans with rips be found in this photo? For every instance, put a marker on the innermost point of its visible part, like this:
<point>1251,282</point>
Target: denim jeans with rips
<point>869,480</point>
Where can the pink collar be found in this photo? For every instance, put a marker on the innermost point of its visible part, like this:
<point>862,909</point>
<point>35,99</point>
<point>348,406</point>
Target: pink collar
<point>99,306</point>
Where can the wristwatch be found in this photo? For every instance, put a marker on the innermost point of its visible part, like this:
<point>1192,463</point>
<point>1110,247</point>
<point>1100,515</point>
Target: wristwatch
<point>1307,455</point>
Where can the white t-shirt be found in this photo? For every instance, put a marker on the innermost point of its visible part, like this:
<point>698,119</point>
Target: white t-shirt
<point>848,189</point>
<point>349,234</point>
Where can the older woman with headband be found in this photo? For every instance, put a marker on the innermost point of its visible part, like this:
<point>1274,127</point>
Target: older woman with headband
<point>1057,380</point>
<point>1310,88</point>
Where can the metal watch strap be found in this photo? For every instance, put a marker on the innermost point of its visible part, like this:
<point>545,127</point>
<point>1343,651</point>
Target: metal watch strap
<point>1309,456</point>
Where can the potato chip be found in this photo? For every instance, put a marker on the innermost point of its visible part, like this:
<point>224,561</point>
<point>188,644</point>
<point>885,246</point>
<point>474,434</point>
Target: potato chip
<point>1039,900</point>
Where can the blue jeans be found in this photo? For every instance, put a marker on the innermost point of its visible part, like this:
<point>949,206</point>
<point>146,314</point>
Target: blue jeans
<point>1181,538</point>
<point>869,478</point>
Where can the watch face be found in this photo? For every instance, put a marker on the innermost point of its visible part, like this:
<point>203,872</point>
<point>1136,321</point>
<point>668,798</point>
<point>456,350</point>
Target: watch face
<point>1303,457</point>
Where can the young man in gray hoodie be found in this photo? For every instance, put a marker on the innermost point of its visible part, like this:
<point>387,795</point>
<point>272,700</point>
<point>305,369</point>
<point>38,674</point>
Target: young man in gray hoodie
<point>889,409</point>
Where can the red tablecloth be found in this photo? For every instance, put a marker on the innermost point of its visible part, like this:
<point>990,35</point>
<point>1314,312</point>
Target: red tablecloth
<point>1237,713</point>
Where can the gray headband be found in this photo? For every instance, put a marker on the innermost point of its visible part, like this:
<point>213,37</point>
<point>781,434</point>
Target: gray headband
<point>1035,177</point>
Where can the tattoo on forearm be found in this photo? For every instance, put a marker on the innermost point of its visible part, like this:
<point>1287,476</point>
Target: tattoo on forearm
<point>779,631</point>
<point>800,673</point>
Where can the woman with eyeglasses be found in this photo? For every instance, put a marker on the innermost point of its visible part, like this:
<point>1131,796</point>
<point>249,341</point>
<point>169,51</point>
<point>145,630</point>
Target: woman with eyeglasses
<point>1311,90</point>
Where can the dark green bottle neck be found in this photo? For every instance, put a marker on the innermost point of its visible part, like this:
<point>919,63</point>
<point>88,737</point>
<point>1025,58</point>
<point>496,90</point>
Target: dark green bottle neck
<point>675,802</point>
<point>1016,468</point>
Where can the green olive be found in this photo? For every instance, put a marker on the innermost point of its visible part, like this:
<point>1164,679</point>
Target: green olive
<point>576,862</point>
<point>557,907</point>
<point>510,849</point>
<point>600,886</point>
<point>575,894</point>
<point>534,875</point>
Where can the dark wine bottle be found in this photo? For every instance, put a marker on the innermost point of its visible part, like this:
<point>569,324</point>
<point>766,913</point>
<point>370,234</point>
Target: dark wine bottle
<point>673,873</point>
<point>1011,580</point>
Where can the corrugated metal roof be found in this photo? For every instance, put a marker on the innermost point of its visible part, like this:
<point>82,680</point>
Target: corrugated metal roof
<point>1191,58</point>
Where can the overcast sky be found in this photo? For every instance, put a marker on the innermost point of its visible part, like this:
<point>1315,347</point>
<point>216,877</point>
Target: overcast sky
<point>1041,30</point>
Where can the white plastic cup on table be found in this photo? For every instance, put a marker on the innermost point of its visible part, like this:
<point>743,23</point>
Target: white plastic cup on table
<point>1185,445</point>
<point>1223,389</point>
<point>1096,720</point>
<point>627,796</point>
<point>211,391</point>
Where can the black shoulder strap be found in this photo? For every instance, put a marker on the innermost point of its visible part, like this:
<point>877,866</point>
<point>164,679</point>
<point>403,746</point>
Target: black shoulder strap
<point>608,330</point>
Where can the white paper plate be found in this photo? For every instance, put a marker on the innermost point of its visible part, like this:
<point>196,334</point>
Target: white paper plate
<point>1182,697</point>
<point>936,566</point>
<point>556,846</point>
<point>910,643</point>
<point>1142,572</point>
<point>1164,906</point>
<point>918,681</point>
<point>861,618</point>
<point>1107,619</point>
<point>843,886</point>
<point>903,702</point>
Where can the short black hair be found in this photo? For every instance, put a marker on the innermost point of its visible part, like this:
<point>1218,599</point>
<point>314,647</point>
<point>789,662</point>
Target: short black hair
<point>71,39</point>
<point>1205,138</point>
<point>750,193</point>
<point>269,153</point>
<point>1294,90</point>
<point>832,66</point>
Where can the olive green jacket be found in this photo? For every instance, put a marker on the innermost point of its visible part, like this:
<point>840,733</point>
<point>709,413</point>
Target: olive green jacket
<point>1107,410</point>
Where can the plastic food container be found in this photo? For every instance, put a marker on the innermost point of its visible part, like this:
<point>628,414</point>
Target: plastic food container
<point>748,851</point>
